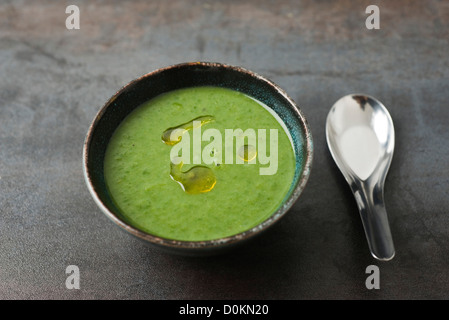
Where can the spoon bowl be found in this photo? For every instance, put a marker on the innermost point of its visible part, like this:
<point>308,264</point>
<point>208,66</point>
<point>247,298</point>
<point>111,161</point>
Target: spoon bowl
<point>182,76</point>
<point>360,137</point>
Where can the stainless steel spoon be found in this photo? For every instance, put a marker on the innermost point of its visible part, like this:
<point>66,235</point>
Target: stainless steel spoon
<point>360,136</point>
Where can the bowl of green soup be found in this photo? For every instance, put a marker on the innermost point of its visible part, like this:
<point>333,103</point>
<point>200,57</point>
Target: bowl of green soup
<point>197,157</point>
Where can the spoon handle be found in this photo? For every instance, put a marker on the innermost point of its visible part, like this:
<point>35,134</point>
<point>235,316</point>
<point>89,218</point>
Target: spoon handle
<point>375,221</point>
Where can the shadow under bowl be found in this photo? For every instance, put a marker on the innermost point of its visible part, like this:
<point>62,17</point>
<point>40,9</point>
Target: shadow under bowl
<point>188,75</point>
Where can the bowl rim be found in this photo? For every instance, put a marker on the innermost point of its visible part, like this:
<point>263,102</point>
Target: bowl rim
<point>213,243</point>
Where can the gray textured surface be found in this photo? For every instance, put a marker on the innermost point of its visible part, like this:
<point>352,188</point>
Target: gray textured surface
<point>53,81</point>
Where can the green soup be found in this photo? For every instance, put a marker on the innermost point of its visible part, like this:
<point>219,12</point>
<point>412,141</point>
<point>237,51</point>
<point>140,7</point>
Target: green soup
<point>224,189</point>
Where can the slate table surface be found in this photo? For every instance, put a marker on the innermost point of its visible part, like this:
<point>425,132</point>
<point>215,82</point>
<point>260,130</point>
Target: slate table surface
<point>54,80</point>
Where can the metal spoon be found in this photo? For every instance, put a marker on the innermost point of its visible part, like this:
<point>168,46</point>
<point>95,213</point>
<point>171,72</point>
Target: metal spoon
<point>360,137</point>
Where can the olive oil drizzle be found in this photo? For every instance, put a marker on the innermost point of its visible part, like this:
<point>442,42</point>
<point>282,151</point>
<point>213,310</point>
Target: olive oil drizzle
<point>198,179</point>
<point>166,136</point>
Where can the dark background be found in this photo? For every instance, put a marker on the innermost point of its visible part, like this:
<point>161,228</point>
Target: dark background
<point>53,81</point>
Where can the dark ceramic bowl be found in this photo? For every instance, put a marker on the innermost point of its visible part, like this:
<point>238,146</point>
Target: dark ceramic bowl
<point>184,76</point>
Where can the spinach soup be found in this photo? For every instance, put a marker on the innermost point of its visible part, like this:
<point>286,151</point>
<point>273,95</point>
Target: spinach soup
<point>199,163</point>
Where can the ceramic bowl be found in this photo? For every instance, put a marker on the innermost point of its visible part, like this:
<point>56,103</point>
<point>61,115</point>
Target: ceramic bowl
<point>183,76</point>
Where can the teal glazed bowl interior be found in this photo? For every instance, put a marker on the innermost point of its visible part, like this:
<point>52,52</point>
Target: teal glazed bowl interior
<point>181,76</point>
